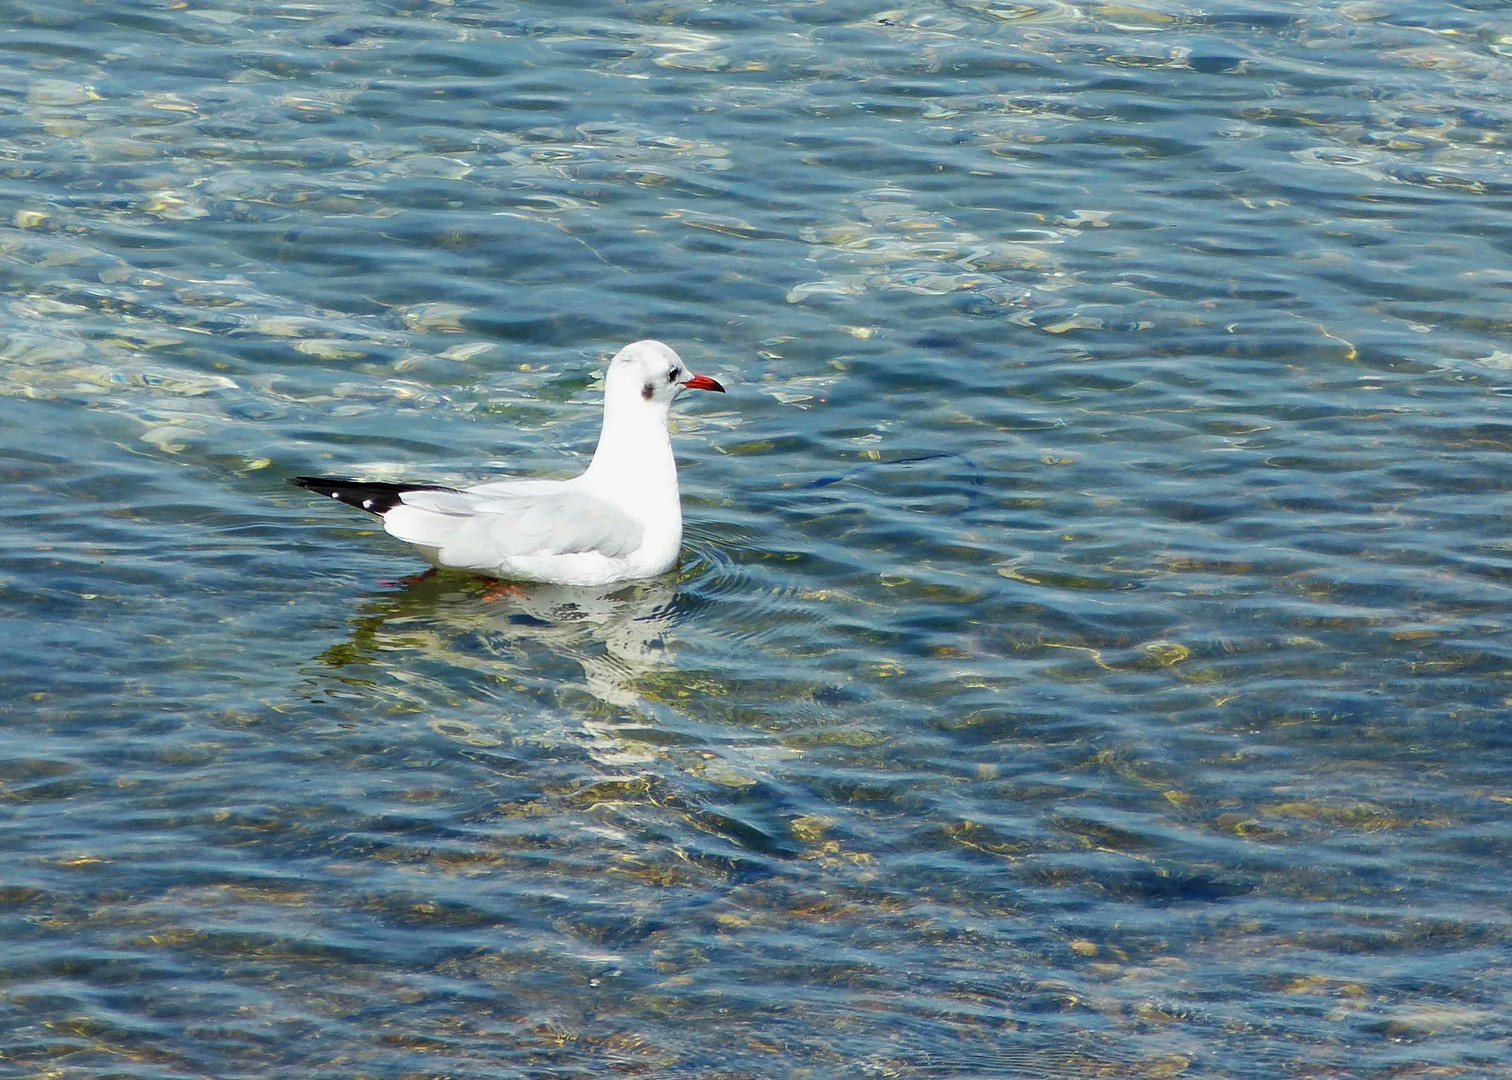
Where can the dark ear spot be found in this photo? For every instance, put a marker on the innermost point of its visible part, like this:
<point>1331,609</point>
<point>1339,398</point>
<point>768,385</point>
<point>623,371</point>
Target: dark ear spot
<point>647,391</point>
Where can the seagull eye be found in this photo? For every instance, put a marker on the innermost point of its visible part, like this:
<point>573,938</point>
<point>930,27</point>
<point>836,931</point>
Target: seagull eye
<point>672,375</point>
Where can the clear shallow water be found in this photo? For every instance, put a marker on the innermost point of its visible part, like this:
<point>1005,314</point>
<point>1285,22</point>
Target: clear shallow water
<point>1089,658</point>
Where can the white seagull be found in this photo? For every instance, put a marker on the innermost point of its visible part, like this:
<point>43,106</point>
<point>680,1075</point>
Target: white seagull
<point>621,519</point>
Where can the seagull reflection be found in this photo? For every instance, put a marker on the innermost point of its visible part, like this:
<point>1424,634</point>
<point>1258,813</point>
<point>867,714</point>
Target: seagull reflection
<point>582,682</point>
<point>441,635</point>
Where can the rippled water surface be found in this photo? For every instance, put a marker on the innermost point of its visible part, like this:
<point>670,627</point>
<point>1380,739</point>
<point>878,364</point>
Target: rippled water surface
<point>1089,657</point>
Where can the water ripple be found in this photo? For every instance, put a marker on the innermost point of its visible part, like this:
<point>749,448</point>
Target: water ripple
<point>1087,658</point>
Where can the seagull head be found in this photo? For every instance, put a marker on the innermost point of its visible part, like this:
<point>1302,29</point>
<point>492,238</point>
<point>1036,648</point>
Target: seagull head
<point>650,372</point>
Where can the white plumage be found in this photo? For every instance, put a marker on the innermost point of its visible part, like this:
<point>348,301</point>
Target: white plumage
<point>621,519</point>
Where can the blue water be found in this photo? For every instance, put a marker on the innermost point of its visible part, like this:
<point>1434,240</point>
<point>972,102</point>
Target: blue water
<point>1089,657</point>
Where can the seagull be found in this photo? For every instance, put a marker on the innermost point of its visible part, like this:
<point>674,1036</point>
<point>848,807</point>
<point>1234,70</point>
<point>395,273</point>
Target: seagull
<point>620,520</point>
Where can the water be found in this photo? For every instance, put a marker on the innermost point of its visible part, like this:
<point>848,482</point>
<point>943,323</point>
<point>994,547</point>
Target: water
<point>1089,658</point>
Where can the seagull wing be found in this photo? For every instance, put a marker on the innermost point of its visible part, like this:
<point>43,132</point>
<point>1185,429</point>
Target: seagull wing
<point>473,528</point>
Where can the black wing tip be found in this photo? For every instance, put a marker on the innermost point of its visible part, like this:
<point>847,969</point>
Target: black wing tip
<point>374,496</point>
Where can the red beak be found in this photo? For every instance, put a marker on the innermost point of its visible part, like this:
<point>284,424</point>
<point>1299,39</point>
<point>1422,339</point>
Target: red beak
<point>703,382</point>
